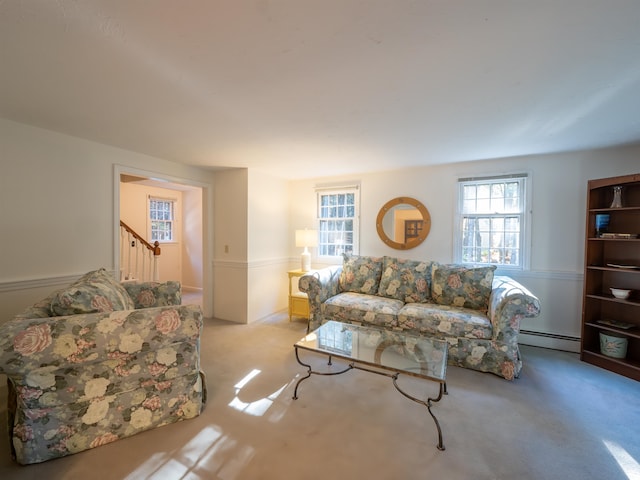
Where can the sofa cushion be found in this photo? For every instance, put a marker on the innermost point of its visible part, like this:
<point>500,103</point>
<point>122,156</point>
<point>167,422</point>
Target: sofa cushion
<point>96,291</point>
<point>154,294</point>
<point>444,321</point>
<point>406,280</point>
<point>360,308</point>
<point>360,274</point>
<point>462,286</point>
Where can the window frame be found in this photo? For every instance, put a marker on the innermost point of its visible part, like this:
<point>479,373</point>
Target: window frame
<point>172,221</point>
<point>524,214</point>
<point>338,190</point>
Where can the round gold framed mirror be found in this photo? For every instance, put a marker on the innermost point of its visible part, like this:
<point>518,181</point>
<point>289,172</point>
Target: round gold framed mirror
<point>403,223</point>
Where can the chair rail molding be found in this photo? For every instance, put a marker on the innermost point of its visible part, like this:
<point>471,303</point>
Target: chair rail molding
<point>27,284</point>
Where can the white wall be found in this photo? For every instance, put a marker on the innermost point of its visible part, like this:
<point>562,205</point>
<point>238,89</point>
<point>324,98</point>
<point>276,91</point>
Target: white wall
<point>57,214</point>
<point>557,238</point>
<point>251,245</point>
<point>230,246</point>
<point>192,234</point>
<point>268,246</point>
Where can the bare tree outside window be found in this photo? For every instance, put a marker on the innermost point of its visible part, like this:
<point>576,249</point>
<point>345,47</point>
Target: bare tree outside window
<point>337,222</point>
<point>492,215</point>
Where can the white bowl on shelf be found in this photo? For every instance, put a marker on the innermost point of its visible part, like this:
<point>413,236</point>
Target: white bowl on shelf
<point>620,293</point>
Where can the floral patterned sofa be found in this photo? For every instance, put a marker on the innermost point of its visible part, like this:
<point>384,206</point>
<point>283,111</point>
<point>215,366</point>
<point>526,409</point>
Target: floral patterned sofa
<point>478,314</point>
<point>99,361</point>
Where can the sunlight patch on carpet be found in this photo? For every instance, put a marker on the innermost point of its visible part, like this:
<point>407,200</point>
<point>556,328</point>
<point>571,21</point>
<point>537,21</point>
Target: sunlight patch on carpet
<point>207,455</point>
<point>627,463</point>
<point>256,408</point>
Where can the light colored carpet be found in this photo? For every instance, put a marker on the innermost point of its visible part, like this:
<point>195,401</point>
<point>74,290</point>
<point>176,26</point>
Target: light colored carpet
<point>562,419</point>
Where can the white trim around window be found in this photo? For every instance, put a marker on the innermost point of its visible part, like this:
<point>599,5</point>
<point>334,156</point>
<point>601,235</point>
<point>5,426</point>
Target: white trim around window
<point>162,219</point>
<point>338,221</point>
<point>493,221</point>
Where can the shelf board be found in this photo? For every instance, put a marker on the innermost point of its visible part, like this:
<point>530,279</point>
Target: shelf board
<point>631,332</point>
<point>614,269</point>
<point>600,359</point>
<point>611,298</point>
<point>599,239</point>
<point>609,209</point>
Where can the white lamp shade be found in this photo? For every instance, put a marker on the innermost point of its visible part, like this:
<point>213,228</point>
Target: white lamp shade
<point>306,238</point>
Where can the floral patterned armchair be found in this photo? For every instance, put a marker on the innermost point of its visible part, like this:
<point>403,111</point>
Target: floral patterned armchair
<point>99,361</point>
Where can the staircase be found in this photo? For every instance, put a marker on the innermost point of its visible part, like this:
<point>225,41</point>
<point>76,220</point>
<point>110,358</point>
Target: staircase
<point>138,258</point>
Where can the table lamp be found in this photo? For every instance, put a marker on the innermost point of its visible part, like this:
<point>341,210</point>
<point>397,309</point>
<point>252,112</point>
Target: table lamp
<point>306,238</point>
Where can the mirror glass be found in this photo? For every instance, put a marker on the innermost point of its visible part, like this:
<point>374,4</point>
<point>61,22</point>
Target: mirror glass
<point>403,223</point>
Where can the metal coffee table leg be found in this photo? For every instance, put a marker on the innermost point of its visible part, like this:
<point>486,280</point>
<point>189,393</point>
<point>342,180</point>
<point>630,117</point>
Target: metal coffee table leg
<point>429,403</point>
<point>310,371</point>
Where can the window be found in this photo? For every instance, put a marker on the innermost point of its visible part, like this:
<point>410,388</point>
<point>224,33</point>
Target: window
<point>492,221</point>
<point>412,228</point>
<point>338,214</point>
<point>161,214</point>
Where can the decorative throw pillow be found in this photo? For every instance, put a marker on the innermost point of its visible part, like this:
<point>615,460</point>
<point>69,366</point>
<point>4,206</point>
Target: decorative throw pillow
<point>360,274</point>
<point>462,286</point>
<point>96,291</point>
<point>406,280</point>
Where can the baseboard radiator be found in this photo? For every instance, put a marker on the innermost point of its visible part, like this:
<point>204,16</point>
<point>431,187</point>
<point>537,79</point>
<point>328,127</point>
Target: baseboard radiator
<point>549,340</point>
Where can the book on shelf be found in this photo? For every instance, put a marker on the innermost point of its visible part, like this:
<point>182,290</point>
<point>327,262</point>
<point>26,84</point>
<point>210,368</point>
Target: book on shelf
<point>619,235</point>
<point>617,265</point>
<point>616,323</point>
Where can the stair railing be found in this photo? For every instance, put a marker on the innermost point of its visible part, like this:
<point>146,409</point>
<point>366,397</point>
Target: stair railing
<point>139,256</point>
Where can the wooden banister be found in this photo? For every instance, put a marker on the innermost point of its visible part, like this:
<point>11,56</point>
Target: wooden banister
<point>155,248</point>
<point>140,257</point>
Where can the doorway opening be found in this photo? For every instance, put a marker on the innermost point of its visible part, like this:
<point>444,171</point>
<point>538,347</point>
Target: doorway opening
<point>182,254</point>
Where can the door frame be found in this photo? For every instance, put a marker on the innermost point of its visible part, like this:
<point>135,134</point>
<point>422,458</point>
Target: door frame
<point>207,236</point>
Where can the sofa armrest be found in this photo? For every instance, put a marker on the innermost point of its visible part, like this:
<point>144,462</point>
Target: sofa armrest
<point>29,344</point>
<point>319,286</point>
<point>510,302</point>
<point>154,294</point>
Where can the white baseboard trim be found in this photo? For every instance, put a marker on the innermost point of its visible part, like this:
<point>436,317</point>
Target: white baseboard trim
<point>549,340</point>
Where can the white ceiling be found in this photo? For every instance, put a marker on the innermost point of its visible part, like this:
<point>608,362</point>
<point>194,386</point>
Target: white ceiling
<point>307,88</point>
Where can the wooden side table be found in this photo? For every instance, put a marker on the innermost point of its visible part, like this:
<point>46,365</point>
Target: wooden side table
<point>298,301</point>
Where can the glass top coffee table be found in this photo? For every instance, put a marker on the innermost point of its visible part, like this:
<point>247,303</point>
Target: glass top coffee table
<point>382,352</point>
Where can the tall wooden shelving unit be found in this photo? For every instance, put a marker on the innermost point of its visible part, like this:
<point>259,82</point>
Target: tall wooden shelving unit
<point>612,262</point>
